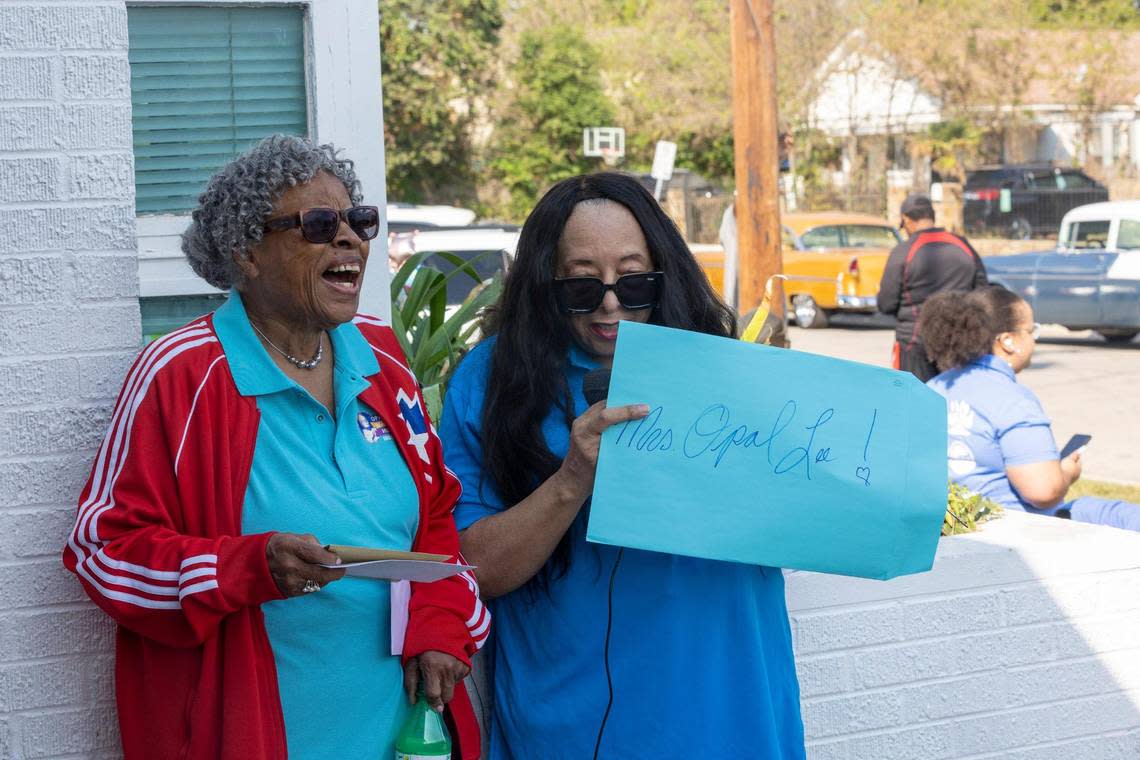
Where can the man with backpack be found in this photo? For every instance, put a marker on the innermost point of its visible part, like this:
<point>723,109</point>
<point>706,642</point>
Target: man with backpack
<point>931,260</point>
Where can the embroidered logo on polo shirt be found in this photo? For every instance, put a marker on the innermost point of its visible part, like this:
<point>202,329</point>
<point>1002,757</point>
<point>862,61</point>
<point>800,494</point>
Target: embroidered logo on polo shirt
<point>373,428</point>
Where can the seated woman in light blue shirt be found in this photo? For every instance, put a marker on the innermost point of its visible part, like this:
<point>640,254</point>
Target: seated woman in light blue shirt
<point>1000,442</point>
<point>600,651</point>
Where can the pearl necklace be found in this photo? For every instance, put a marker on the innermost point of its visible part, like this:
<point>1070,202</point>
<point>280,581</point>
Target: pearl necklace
<point>301,363</point>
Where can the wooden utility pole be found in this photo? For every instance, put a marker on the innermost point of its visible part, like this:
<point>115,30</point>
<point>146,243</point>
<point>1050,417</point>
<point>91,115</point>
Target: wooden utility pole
<point>757,153</point>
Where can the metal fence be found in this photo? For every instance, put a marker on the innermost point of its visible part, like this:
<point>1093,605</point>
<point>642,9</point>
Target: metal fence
<point>699,214</point>
<point>1023,213</point>
<point>702,217</point>
<point>854,200</point>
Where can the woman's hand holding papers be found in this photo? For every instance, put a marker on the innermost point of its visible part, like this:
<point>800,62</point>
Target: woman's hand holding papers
<point>295,563</point>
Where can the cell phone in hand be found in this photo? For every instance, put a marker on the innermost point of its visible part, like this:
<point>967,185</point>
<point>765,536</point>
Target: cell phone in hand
<point>1078,441</point>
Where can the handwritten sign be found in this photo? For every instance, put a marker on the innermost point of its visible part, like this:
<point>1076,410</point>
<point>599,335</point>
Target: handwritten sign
<point>770,456</point>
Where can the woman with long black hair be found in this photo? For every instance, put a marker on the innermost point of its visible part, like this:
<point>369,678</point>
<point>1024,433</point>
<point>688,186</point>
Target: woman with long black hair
<point>669,654</point>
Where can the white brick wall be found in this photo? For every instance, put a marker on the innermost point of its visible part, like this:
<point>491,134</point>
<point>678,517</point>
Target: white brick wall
<point>69,326</point>
<point>1022,642</point>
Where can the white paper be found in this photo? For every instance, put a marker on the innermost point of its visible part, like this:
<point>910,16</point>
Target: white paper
<point>401,597</point>
<point>423,571</point>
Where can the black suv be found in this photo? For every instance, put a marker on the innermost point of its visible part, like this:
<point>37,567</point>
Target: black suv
<point>1022,200</point>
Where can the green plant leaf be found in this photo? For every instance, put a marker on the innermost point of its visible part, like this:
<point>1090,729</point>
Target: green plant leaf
<point>401,332</point>
<point>406,269</point>
<point>438,307</point>
<point>418,296</point>
<point>432,341</point>
<point>465,266</point>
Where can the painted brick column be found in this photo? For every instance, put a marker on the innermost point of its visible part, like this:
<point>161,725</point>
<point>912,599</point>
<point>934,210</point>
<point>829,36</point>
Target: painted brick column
<point>69,327</point>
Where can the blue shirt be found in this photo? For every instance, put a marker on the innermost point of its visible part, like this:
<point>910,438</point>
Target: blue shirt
<point>341,478</point>
<point>994,423</point>
<point>701,651</point>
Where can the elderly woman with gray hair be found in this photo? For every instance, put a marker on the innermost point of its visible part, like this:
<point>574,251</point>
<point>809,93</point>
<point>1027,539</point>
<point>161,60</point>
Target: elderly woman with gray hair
<point>236,442</point>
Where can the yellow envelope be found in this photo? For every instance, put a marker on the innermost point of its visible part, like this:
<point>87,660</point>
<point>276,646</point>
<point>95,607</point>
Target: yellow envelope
<point>364,554</point>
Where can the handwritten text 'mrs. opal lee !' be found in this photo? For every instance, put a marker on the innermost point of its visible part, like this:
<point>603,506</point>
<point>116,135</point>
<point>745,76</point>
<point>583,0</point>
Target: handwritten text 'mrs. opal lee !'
<point>787,448</point>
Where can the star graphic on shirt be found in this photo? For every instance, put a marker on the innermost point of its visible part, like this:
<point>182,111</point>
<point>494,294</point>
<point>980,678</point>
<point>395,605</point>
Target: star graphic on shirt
<point>412,412</point>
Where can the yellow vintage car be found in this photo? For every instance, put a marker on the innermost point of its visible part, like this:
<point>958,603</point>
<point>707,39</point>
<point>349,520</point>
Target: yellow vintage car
<point>833,262</point>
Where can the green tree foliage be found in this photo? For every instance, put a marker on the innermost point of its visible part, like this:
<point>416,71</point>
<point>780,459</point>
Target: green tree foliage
<point>951,145</point>
<point>1001,59</point>
<point>557,92</point>
<point>667,67</point>
<point>663,64</point>
<point>709,154</point>
<point>1104,14</point>
<point>662,70</point>
<point>439,64</point>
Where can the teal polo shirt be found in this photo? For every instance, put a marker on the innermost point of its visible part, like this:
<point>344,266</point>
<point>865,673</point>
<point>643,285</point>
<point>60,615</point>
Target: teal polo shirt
<point>340,477</point>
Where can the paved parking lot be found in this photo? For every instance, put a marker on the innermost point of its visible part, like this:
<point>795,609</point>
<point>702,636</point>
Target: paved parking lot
<point>1085,385</point>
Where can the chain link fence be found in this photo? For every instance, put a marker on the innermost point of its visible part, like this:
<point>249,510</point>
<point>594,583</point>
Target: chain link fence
<point>703,215</point>
<point>860,200</point>
<point>698,212</point>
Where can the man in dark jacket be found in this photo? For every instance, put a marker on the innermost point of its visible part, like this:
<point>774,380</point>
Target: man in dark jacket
<point>929,261</point>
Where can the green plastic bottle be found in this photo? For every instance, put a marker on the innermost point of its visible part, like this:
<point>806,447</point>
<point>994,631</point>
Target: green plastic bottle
<point>424,735</point>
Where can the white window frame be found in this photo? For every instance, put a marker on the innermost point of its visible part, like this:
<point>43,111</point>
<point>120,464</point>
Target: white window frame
<point>342,59</point>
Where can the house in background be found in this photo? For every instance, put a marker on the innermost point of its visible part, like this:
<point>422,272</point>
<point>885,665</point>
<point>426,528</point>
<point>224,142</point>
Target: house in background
<point>1071,97</point>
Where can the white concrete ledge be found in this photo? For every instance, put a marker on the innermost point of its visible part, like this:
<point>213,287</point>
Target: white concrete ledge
<point>1022,641</point>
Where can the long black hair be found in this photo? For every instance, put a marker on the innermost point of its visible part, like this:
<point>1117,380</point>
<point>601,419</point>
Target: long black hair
<point>528,365</point>
<point>961,328</point>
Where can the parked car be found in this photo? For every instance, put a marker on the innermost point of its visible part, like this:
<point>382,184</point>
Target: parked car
<point>1023,200</point>
<point>488,248</point>
<point>833,263</point>
<point>1091,280</point>
<point>405,217</point>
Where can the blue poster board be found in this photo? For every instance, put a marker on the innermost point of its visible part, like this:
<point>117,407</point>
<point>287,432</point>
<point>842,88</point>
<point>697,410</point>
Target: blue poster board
<point>770,456</point>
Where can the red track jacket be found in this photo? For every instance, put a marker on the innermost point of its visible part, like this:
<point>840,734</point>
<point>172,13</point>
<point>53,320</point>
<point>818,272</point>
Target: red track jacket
<point>158,546</point>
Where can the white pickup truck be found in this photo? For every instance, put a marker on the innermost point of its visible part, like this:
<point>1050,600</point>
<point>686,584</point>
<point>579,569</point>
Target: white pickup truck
<point>1091,280</point>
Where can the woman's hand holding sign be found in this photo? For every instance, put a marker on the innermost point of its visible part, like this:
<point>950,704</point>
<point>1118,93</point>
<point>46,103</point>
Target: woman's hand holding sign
<point>510,547</point>
<point>577,471</point>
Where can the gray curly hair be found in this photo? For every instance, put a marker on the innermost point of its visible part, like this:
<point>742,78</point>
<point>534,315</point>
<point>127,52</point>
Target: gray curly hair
<point>239,199</point>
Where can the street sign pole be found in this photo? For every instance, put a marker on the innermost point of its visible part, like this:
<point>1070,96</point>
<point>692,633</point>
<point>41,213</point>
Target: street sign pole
<point>756,153</point>
<point>663,157</point>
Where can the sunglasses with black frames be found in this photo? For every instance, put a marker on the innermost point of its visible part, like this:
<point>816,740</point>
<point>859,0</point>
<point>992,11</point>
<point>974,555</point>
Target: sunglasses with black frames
<point>320,225</point>
<point>582,295</point>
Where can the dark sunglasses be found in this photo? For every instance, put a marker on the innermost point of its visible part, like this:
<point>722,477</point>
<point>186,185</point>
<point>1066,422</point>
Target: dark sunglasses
<point>320,225</point>
<point>582,295</point>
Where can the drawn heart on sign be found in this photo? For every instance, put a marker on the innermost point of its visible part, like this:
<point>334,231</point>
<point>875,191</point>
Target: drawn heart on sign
<point>864,474</point>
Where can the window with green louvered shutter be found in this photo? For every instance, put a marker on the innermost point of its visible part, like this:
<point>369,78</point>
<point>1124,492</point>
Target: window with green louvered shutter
<point>206,84</point>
